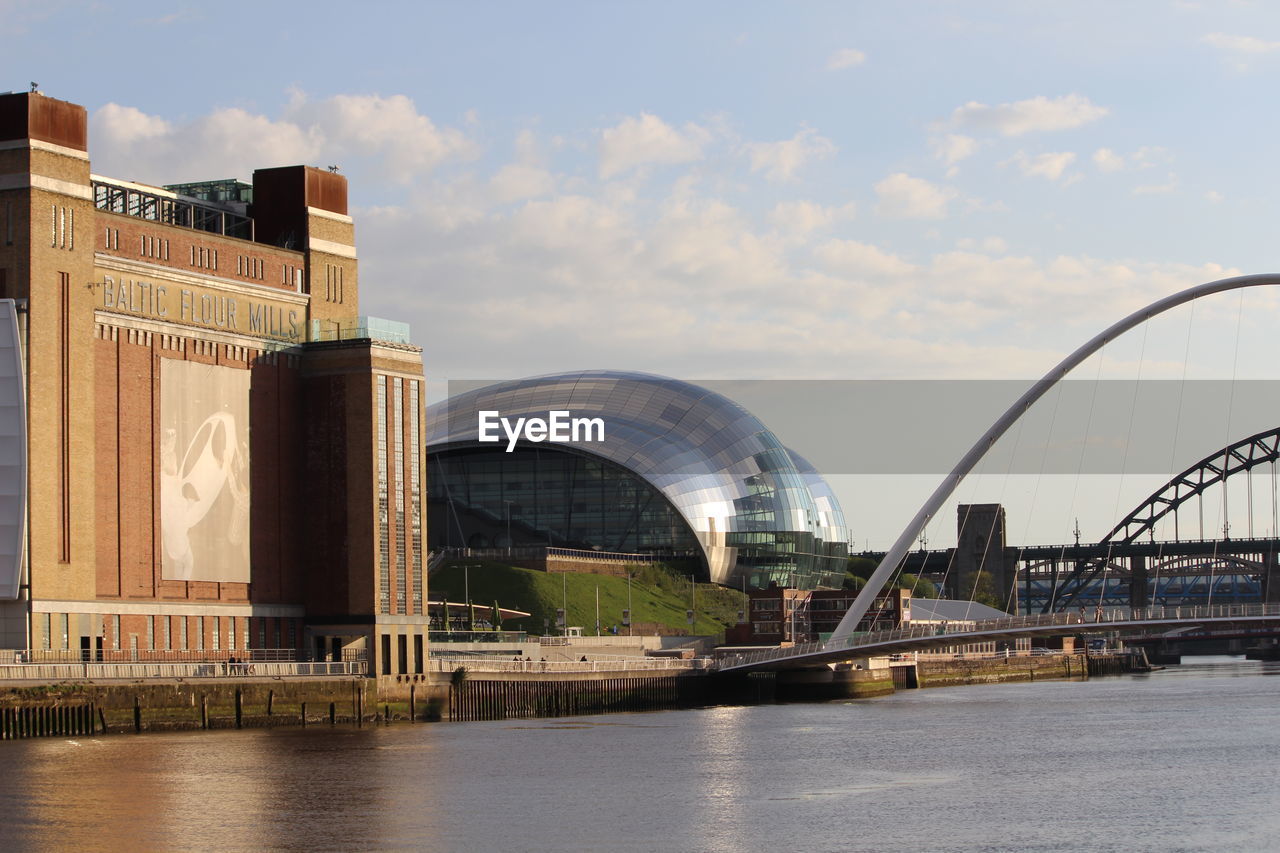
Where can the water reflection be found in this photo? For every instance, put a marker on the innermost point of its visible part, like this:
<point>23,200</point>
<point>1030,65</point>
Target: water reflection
<point>229,790</point>
<point>1180,759</point>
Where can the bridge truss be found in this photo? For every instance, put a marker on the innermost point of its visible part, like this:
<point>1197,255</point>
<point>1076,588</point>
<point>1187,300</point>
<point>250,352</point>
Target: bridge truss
<point>1067,590</point>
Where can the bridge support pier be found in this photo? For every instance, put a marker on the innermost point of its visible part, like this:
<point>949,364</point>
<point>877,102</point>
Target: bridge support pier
<point>1138,581</point>
<point>1271,580</point>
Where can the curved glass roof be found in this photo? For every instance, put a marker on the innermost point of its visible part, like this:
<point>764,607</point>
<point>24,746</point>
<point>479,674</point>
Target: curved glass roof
<point>758,511</point>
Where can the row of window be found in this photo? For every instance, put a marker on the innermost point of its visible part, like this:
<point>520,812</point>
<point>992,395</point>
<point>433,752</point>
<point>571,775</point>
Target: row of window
<point>152,247</point>
<point>63,227</point>
<point>333,284</point>
<point>171,633</point>
<point>249,267</point>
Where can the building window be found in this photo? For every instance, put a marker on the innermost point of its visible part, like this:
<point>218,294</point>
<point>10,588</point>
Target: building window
<point>384,536</point>
<point>415,495</point>
<point>397,413</point>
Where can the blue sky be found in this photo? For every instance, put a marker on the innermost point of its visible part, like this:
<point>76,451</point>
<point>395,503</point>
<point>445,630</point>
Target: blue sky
<point>732,190</point>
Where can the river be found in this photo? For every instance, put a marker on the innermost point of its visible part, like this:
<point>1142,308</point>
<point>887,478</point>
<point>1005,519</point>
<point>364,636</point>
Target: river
<point>1181,759</point>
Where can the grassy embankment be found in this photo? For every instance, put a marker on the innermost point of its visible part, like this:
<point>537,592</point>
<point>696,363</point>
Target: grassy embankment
<point>658,595</point>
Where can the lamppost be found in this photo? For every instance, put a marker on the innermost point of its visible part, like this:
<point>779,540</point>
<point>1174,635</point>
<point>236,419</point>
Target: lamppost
<point>466,587</point>
<point>693,601</point>
<point>508,507</point>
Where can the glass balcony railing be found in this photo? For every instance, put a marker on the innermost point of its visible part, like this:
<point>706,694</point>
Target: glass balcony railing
<point>360,328</point>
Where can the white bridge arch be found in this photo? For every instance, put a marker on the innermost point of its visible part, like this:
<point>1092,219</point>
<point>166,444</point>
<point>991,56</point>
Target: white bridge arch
<point>944,490</point>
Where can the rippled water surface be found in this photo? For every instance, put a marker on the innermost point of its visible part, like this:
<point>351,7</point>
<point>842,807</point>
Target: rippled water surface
<point>1183,759</point>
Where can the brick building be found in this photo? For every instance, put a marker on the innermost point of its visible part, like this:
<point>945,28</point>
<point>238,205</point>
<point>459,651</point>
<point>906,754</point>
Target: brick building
<point>780,614</point>
<point>219,453</point>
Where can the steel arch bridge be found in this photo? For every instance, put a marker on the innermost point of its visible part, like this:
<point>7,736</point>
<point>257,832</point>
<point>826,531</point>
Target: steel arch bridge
<point>1215,469</point>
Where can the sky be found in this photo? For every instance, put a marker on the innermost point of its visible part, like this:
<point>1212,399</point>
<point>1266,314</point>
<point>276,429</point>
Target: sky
<point>740,190</point>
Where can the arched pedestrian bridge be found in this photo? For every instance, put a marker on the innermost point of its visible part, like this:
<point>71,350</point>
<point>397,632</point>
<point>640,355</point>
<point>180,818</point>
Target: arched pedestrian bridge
<point>919,638</point>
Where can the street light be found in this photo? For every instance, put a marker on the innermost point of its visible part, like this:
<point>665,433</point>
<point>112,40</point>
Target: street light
<point>629,610</point>
<point>509,543</point>
<point>466,587</point>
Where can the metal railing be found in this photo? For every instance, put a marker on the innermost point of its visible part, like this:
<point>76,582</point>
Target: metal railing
<point>435,636</point>
<point>1006,625</point>
<point>168,208</point>
<point>157,655</point>
<point>536,552</point>
<point>566,666</point>
<point>220,669</point>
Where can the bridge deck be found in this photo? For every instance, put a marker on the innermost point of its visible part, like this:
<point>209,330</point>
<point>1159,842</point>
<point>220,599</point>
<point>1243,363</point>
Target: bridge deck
<point>921,637</point>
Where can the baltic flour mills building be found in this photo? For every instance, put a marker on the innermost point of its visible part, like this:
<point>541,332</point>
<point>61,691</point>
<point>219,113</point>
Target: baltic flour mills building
<point>202,445</point>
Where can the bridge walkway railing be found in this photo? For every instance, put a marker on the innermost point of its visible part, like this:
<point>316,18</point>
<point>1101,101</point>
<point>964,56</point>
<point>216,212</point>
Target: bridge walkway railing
<point>1008,624</point>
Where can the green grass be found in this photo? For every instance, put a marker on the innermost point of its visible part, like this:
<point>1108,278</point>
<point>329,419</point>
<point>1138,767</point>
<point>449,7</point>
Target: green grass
<point>658,595</point>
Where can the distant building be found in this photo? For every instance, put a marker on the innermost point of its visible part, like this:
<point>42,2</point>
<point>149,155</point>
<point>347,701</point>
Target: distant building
<point>678,470</point>
<point>784,615</point>
<point>203,447</point>
<point>781,615</point>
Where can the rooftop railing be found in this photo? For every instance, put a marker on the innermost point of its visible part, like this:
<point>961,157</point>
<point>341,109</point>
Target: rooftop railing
<point>361,328</point>
<point>169,208</point>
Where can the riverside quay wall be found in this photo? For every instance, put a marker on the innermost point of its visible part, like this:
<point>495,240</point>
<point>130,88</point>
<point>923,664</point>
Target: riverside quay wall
<point>84,708</point>
<point>869,682</point>
<point>511,695</point>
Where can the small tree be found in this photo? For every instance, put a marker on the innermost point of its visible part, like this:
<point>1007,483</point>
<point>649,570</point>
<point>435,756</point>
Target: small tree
<point>457,680</point>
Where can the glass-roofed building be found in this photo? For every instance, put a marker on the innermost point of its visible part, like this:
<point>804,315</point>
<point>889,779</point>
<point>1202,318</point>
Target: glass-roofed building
<point>679,470</point>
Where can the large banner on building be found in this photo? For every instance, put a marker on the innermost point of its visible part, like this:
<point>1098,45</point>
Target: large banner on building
<point>204,472</point>
<point>13,454</point>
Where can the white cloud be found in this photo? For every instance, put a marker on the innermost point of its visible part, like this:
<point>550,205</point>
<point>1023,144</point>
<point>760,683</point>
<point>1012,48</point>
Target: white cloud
<point>953,148</point>
<point>1214,197</point>
<point>639,141</point>
<point>1248,45</point>
<point>226,143</point>
<point>1034,115</point>
<point>127,125</point>
<point>1050,165</point>
<point>904,197</point>
<point>993,245</point>
<point>232,142</point>
<point>805,217</point>
<point>780,160</point>
<point>408,142</point>
<point>1107,160</point>
<point>846,58</point>
<point>849,257</point>
<point>518,181</point>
